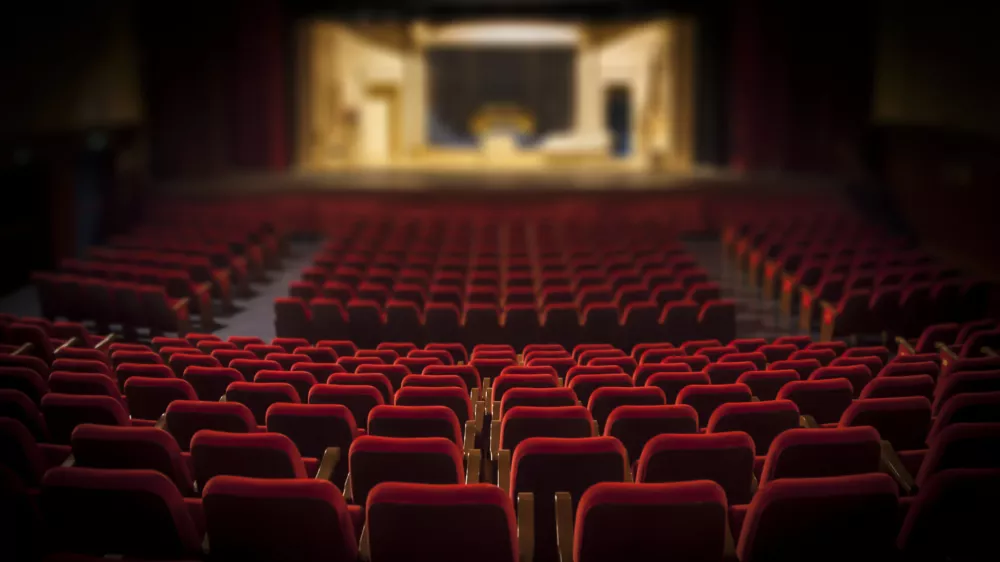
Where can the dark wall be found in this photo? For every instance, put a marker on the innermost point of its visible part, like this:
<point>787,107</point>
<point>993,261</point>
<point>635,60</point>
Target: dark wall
<point>215,83</point>
<point>801,84</point>
<point>539,80</point>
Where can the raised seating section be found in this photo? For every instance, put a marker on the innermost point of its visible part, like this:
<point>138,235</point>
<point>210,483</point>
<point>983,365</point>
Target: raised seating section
<point>509,390</point>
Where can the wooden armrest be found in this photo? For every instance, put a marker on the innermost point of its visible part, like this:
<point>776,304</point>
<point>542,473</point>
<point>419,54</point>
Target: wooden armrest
<point>564,526</point>
<point>893,465</point>
<point>487,390</point>
<point>202,288</point>
<point>988,351</point>
<point>754,399</point>
<point>205,548</point>
<point>503,470</point>
<point>348,489</point>
<point>474,464</point>
<point>328,464</point>
<point>479,411</point>
<point>67,344</point>
<point>474,395</point>
<point>162,422</point>
<point>828,306</point>
<point>808,421</point>
<point>904,347</point>
<point>23,350</point>
<point>222,398</point>
<point>594,431</point>
<point>108,339</point>
<point>494,440</point>
<point>180,304</point>
<point>827,320</point>
<point>364,545</point>
<point>729,546</point>
<point>469,442</point>
<point>807,300</point>
<point>946,352</point>
<point>526,526</point>
<point>494,410</point>
<point>70,461</point>
<point>754,484</point>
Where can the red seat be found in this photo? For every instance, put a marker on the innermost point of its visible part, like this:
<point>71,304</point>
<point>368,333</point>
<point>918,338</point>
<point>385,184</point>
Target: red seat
<point>630,521</point>
<point>148,398</point>
<point>258,396</point>
<point>603,401</point>
<point>415,421</point>
<point>634,426</point>
<point>858,375</point>
<point>100,446</point>
<point>706,398</point>
<point>762,421</point>
<point>728,373</point>
<point>109,511</point>
<point>441,522</point>
<point>24,380</point>
<point>315,427</point>
<point>812,453</point>
<point>63,412</point>
<point>185,417</point>
<point>247,519</point>
<point>428,460</point>
<point>673,383</point>
<point>838,518</point>
<point>543,466</point>
<point>360,399</point>
<point>963,445</point>
<point>301,381</point>
<point>257,455</point>
<point>210,383</point>
<point>724,458</point>
<point>824,400</point>
<point>903,422</point>
<point>286,360</point>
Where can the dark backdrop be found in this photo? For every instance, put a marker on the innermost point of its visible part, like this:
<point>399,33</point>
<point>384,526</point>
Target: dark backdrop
<point>539,80</point>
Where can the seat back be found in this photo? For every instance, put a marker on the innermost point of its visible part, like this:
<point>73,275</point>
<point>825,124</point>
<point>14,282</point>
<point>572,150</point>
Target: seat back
<point>19,452</point>
<point>724,458</point>
<point>953,516</point>
<point>903,422</point>
<point>812,453</point>
<point>603,401</point>
<point>824,400</point>
<point>891,387</point>
<point>975,407</point>
<point>828,519</point>
<point>301,381</point>
<point>187,417</point>
<point>455,399</point>
<point>359,399</point>
<point>98,446</point>
<point>635,426</point>
<point>544,466</point>
<point>257,455</point>
<point>617,521</point>
<point>762,421</point>
<point>585,385</point>
<point>247,519</point>
<point>706,398</point>
<point>16,405</point>
<point>524,422</point>
<point>258,396</point>
<point>963,445</point>
<point>63,412</point>
<point>148,398</point>
<point>441,522</point>
<point>134,513</point>
<point>424,460</point>
<point>415,421</point>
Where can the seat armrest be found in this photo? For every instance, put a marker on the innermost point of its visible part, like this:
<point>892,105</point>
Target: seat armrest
<point>829,321</point>
<point>162,422</point>
<point>474,395</point>
<point>479,412</point>
<point>108,339</point>
<point>487,390</point>
<point>70,461</point>
<point>494,409</point>
<point>202,288</point>
<point>494,440</point>
<point>474,465</point>
<point>988,351</point>
<point>23,350</point>
<point>564,526</point>
<point>348,489</point>
<point>67,344</point>
<point>808,422</point>
<point>364,546</point>
<point>328,464</point>
<point>754,399</point>
<point>594,430</point>
<point>904,347</point>
<point>503,470</point>
<point>892,465</point>
<point>526,526</point>
<point>179,304</point>
<point>469,439</point>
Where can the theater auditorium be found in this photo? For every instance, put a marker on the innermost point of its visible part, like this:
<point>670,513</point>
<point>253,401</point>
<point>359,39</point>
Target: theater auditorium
<point>499,281</point>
